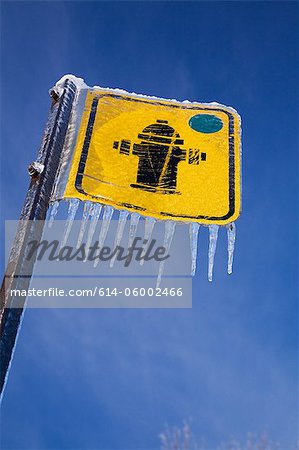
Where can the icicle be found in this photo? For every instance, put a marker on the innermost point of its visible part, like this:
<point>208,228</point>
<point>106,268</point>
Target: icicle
<point>122,219</point>
<point>133,227</point>
<point>73,206</point>
<point>213,231</point>
<point>86,213</point>
<point>53,212</point>
<point>95,215</point>
<point>108,212</point>
<point>193,232</point>
<point>231,237</point>
<point>169,232</point>
<point>148,231</point>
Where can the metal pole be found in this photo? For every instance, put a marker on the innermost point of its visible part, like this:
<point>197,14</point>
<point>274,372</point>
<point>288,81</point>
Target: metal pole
<point>31,224</point>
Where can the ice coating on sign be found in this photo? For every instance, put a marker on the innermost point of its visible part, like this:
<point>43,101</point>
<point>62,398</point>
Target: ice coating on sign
<point>193,232</point>
<point>133,228</point>
<point>95,215</point>
<point>169,232</point>
<point>73,206</point>
<point>53,211</point>
<point>231,237</point>
<point>213,235</point>
<point>107,216</point>
<point>150,161</point>
<point>81,85</point>
<point>122,219</point>
<point>148,231</point>
<point>86,214</point>
<point>158,158</point>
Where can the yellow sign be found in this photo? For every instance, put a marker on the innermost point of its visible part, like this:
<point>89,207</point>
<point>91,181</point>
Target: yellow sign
<point>160,158</point>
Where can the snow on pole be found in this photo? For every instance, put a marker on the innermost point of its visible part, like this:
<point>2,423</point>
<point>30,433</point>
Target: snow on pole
<point>31,223</point>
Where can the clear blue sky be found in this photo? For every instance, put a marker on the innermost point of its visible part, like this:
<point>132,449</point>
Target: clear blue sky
<point>111,379</point>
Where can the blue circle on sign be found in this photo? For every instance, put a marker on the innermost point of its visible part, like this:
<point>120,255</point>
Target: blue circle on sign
<point>205,123</point>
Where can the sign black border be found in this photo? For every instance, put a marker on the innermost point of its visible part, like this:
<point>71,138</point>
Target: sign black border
<point>88,135</point>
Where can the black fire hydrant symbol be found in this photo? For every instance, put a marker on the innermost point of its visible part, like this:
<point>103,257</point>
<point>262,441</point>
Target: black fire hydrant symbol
<point>159,154</point>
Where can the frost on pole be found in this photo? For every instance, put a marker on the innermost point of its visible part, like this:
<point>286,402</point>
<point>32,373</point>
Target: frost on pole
<point>161,159</point>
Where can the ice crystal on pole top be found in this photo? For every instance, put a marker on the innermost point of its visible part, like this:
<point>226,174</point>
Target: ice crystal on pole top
<point>161,158</point>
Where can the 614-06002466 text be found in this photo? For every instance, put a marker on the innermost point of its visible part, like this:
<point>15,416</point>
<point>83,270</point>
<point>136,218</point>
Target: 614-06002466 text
<point>99,291</point>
